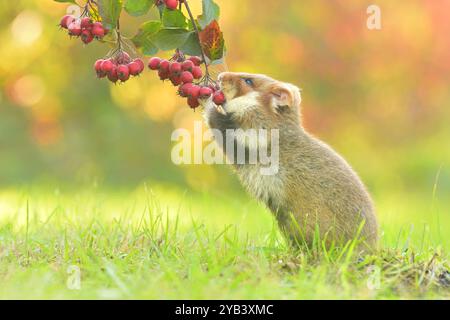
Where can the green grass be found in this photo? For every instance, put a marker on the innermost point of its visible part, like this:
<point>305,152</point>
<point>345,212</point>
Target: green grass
<point>164,243</point>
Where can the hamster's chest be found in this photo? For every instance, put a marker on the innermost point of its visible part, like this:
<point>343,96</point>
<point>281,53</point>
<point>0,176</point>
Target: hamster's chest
<point>267,188</point>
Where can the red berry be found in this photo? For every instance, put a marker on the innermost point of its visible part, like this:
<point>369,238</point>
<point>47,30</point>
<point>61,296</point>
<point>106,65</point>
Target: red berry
<point>205,92</point>
<point>134,68</point>
<point>74,28</point>
<point>107,66</point>
<point>154,63</point>
<point>141,64</point>
<point>112,75</point>
<point>86,23</point>
<point>163,75</point>
<point>197,72</point>
<point>86,36</point>
<point>66,20</point>
<point>187,77</point>
<point>164,66</point>
<point>194,92</point>
<point>98,30</point>
<point>196,60</point>
<point>176,80</point>
<point>175,68</point>
<point>219,98</point>
<point>123,58</point>
<point>98,68</point>
<point>171,4</point>
<point>193,102</point>
<point>187,65</point>
<point>123,73</point>
<point>184,89</point>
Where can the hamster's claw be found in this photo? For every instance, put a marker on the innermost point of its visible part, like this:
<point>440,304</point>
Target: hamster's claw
<point>220,110</point>
<point>208,103</point>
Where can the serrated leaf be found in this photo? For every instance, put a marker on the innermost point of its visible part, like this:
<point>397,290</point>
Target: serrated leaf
<point>192,45</point>
<point>143,39</point>
<point>170,39</point>
<point>211,12</point>
<point>173,19</point>
<point>212,42</point>
<point>110,11</point>
<point>138,7</point>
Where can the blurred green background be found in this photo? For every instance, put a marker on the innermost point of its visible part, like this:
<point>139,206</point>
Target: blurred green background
<point>381,98</point>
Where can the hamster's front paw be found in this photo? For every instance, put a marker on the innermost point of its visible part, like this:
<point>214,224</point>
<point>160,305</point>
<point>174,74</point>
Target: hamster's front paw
<point>209,105</point>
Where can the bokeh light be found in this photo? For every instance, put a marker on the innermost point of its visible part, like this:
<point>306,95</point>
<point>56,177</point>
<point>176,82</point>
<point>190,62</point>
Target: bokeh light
<point>26,28</point>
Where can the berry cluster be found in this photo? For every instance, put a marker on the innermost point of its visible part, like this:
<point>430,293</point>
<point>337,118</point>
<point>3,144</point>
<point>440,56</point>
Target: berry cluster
<point>170,4</point>
<point>182,73</point>
<point>119,67</point>
<point>84,28</point>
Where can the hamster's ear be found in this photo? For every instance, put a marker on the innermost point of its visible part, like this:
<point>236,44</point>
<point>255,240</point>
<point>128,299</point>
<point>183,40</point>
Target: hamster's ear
<point>285,95</point>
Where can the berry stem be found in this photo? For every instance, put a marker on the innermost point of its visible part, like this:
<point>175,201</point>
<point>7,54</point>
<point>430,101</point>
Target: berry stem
<point>191,16</point>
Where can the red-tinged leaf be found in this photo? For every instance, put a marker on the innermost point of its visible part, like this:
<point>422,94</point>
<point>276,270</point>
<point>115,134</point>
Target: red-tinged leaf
<point>212,42</point>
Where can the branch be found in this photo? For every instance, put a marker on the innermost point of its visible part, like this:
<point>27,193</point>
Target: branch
<point>198,35</point>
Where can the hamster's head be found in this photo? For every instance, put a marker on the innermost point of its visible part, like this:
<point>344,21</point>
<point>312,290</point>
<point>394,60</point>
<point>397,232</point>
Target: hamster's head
<point>255,100</point>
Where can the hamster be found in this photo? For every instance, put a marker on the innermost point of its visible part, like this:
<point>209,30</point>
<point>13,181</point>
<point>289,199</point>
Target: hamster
<point>314,192</point>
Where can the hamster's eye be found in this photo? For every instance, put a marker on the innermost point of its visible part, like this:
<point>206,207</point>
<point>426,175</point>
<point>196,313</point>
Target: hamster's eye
<point>249,82</point>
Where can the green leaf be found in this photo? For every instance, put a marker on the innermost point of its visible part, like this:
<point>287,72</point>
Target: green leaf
<point>211,12</point>
<point>192,45</point>
<point>70,1</point>
<point>170,39</point>
<point>173,19</point>
<point>138,7</point>
<point>110,11</point>
<point>143,39</point>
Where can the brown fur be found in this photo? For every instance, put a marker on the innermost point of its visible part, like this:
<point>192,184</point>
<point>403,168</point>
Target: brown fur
<point>314,185</point>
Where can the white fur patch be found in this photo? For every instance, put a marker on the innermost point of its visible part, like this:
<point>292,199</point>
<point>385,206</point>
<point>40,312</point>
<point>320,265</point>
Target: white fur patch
<point>239,106</point>
<point>263,187</point>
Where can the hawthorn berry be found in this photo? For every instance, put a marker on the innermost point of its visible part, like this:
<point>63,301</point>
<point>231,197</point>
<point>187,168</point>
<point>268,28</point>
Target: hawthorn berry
<point>112,75</point>
<point>187,77</point>
<point>205,92</point>
<point>182,72</point>
<point>83,27</point>
<point>74,28</point>
<point>154,63</point>
<point>171,4</point>
<point>197,73</point>
<point>107,66</point>
<point>123,58</point>
<point>196,60</point>
<point>98,30</point>
<point>66,20</point>
<point>86,36</point>
<point>134,68</point>
<point>194,91</point>
<point>175,68</point>
<point>187,65</point>
<point>164,66</point>
<point>219,98</point>
<point>98,68</point>
<point>86,23</point>
<point>193,102</point>
<point>163,75</point>
<point>123,73</point>
<point>176,80</point>
<point>184,89</point>
<point>141,64</point>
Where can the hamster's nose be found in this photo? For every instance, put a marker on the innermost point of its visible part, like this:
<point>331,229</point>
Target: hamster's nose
<point>222,78</point>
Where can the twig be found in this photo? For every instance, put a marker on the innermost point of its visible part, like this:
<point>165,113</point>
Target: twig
<point>198,36</point>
